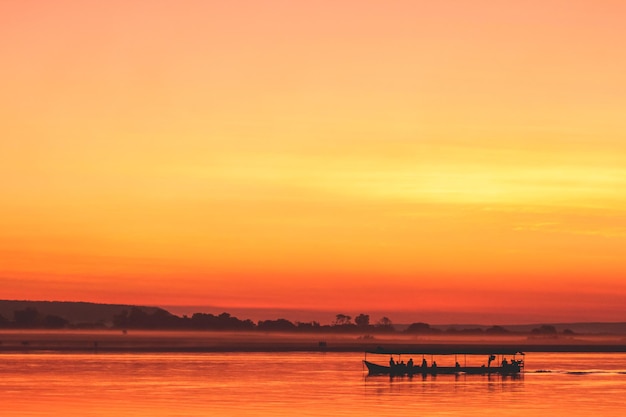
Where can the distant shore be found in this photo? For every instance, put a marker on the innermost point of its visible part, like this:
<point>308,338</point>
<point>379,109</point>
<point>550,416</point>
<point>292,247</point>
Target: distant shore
<point>108,341</point>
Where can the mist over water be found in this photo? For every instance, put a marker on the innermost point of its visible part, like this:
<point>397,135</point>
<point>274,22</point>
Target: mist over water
<point>226,341</point>
<point>306,384</point>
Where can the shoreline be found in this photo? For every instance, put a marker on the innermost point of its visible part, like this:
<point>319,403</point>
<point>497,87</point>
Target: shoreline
<point>307,349</point>
<point>223,342</point>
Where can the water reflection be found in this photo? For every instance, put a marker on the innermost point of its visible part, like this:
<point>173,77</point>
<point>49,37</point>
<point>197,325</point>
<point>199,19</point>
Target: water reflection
<point>306,384</point>
<point>444,384</point>
<point>456,377</point>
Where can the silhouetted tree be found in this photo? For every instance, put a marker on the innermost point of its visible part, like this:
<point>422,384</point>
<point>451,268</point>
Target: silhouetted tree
<point>163,319</point>
<point>342,319</point>
<point>279,325</point>
<point>138,318</point>
<point>310,326</point>
<point>206,322</point>
<point>247,324</point>
<point>362,320</point>
<point>385,324</point>
<point>222,322</point>
<point>419,327</point>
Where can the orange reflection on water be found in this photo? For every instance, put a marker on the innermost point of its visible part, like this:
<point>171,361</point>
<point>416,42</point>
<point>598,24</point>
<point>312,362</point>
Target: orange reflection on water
<point>308,384</point>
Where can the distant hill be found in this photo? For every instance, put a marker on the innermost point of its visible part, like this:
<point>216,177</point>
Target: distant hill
<point>74,312</point>
<point>83,314</point>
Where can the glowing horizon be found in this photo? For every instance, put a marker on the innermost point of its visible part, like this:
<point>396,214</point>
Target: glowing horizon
<point>350,156</point>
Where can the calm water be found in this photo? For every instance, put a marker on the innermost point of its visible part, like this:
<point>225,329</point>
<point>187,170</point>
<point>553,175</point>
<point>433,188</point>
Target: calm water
<point>302,384</point>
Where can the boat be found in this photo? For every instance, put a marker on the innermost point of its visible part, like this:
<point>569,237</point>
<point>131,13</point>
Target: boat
<point>502,362</point>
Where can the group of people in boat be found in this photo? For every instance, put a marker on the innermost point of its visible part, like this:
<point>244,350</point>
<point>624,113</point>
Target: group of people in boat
<point>513,363</point>
<point>401,366</point>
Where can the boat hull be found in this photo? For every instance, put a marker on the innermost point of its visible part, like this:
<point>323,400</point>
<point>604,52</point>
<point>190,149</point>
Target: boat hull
<point>376,369</point>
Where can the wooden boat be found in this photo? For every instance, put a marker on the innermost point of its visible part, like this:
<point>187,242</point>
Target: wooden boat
<point>505,363</point>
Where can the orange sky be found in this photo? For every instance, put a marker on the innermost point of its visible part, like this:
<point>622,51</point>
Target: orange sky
<point>466,159</point>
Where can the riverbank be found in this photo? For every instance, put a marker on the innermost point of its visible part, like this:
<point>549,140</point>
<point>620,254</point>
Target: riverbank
<point>162,341</point>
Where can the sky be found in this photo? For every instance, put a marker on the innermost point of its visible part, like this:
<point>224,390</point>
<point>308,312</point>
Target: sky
<point>451,161</point>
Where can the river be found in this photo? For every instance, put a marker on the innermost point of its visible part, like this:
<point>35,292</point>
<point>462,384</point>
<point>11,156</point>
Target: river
<point>299,384</point>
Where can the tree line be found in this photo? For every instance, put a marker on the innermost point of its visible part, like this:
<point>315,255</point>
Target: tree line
<point>160,319</point>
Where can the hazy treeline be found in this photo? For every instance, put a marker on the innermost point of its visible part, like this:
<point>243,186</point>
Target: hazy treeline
<point>30,318</point>
<point>160,319</point>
